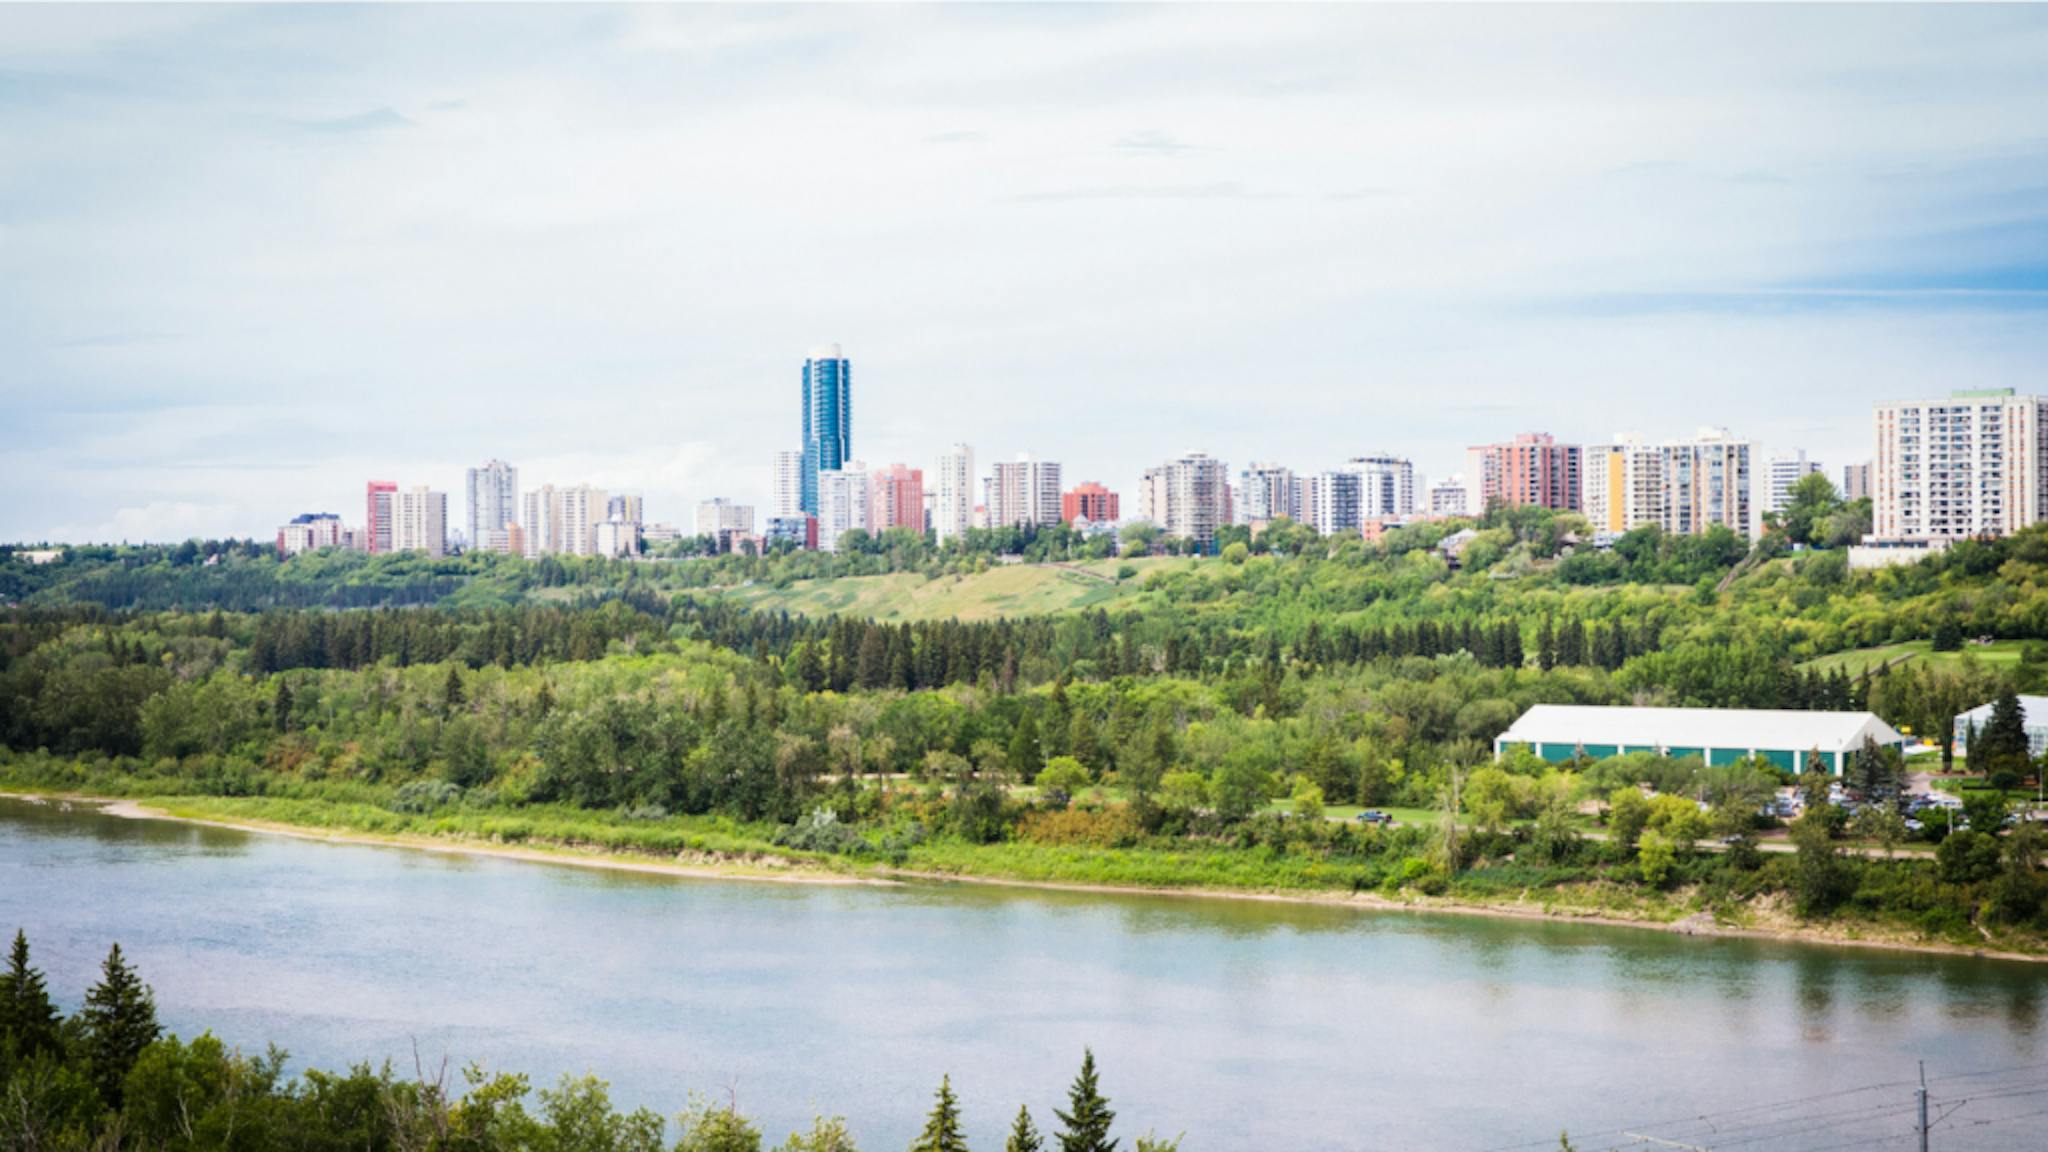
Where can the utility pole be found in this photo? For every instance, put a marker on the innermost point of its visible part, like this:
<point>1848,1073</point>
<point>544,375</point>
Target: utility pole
<point>1922,1095</point>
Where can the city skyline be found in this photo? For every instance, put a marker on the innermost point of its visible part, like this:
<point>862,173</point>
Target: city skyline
<point>298,225</point>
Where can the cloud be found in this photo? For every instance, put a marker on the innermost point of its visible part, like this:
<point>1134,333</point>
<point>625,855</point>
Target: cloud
<point>597,241</point>
<point>375,120</point>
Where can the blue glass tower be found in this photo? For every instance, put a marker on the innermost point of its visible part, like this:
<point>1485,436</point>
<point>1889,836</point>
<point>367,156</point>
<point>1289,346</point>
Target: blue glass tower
<point>828,418</point>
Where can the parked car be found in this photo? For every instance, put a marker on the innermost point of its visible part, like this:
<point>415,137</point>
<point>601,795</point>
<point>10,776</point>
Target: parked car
<point>1375,816</point>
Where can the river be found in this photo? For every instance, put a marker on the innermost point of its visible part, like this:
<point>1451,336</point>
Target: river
<point>1250,1026</point>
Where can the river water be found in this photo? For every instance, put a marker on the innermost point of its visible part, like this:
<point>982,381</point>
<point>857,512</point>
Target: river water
<point>1249,1026</point>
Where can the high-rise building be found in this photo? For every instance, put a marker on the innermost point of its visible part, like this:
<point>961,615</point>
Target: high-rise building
<point>1856,481</point>
<point>1786,471</point>
<point>1089,501</point>
<point>828,418</point>
<point>1623,485</point>
<point>493,500</point>
<point>419,521</point>
<point>723,516</point>
<point>1683,486</point>
<point>1386,486</point>
<point>1024,492</point>
<point>1450,496</point>
<point>626,506</point>
<point>953,510</point>
<point>616,536</point>
<point>1974,464</point>
<point>896,499</point>
<point>1188,496</point>
<point>377,515</point>
<point>1266,492</point>
<point>842,503</point>
<point>309,532</point>
<point>563,519</point>
<point>1332,502</point>
<point>1532,469</point>
<point>787,498</point>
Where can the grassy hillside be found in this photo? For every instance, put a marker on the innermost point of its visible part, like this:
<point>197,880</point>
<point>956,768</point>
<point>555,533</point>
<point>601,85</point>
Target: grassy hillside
<point>1997,654</point>
<point>1005,590</point>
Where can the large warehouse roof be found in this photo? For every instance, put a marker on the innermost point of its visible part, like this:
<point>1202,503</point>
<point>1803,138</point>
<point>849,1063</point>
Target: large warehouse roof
<point>1698,728</point>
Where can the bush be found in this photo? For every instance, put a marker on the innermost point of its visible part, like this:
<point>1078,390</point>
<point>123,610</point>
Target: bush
<point>1115,828</point>
<point>424,796</point>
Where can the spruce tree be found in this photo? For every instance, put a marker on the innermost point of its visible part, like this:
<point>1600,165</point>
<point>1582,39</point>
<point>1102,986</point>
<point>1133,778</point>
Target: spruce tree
<point>120,1021</point>
<point>942,1128</point>
<point>1085,1125</point>
<point>28,1019</point>
<point>2003,742</point>
<point>1024,1134</point>
<point>451,692</point>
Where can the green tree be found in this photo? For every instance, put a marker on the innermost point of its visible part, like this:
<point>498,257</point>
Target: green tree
<point>1822,879</point>
<point>120,1021</point>
<point>29,1020</point>
<point>709,1127</point>
<point>1025,759</point>
<point>942,1125</point>
<point>1084,1126</point>
<point>827,1134</point>
<point>1628,813</point>
<point>452,695</point>
<point>1024,1135</point>
<point>2002,744</point>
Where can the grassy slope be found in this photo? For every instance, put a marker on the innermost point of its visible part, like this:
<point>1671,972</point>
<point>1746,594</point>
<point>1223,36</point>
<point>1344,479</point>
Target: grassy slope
<point>1997,654</point>
<point>1008,590</point>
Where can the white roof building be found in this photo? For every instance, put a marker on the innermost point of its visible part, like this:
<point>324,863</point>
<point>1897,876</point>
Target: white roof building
<point>1787,738</point>
<point>2034,714</point>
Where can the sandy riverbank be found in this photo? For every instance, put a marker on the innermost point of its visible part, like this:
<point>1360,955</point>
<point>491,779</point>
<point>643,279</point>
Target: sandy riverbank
<point>782,871</point>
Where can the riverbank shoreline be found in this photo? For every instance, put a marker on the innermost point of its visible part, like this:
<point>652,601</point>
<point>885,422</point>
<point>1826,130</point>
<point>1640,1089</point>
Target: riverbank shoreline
<point>785,871</point>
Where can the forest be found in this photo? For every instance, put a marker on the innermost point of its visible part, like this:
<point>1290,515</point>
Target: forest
<point>1183,737</point>
<point>110,1077</point>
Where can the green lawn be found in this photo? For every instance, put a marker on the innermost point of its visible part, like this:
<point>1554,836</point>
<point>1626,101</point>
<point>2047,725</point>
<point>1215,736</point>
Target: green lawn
<point>1998,653</point>
<point>1006,590</point>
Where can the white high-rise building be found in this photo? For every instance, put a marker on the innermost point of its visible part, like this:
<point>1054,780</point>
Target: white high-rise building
<point>419,521</point>
<point>1024,492</point>
<point>722,515</point>
<point>1974,464</point>
<point>842,503</point>
<point>1785,471</point>
<point>1386,486</point>
<point>1683,486</point>
<point>1266,492</point>
<point>787,499</point>
<point>1450,496</point>
<point>1623,484</point>
<point>1331,502</point>
<point>1188,496</point>
<point>953,493</point>
<point>615,537</point>
<point>563,519</point>
<point>493,501</point>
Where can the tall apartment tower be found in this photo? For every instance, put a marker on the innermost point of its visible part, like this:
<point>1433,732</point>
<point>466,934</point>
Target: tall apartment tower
<point>1332,502</point>
<point>896,499</point>
<point>953,481</point>
<point>1532,469</point>
<point>377,515</point>
<point>1266,492</point>
<point>1784,472</point>
<point>842,502</point>
<point>1386,486</point>
<point>1856,481</point>
<point>1707,482</point>
<point>721,515</point>
<point>493,501</point>
<point>787,495</point>
<point>1188,496</point>
<point>419,521</point>
<point>828,418</point>
<point>1024,492</point>
<point>1623,484</point>
<point>1089,501</point>
<point>1974,464</point>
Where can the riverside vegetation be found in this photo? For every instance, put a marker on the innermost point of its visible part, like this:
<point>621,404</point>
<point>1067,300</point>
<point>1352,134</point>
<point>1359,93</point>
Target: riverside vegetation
<point>107,1078</point>
<point>1194,736</point>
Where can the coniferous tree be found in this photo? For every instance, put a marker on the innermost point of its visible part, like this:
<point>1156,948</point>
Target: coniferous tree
<point>942,1127</point>
<point>28,1018</point>
<point>2002,745</point>
<point>1084,1127</point>
<point>120,1021</point>
<point>451,691</point>
<point>1024,1135</point>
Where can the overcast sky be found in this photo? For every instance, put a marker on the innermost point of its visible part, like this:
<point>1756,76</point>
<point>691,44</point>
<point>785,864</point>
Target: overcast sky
<point>251,257</point>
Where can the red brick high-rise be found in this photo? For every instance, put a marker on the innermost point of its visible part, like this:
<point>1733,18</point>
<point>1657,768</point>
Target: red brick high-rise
<point>1533,469</point>
<point>1088,501</point>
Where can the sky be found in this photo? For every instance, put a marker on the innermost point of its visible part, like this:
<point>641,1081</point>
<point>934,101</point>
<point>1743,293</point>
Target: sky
<point>253,256</point>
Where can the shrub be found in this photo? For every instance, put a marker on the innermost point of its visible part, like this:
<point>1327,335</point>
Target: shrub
<point>424,796</point>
